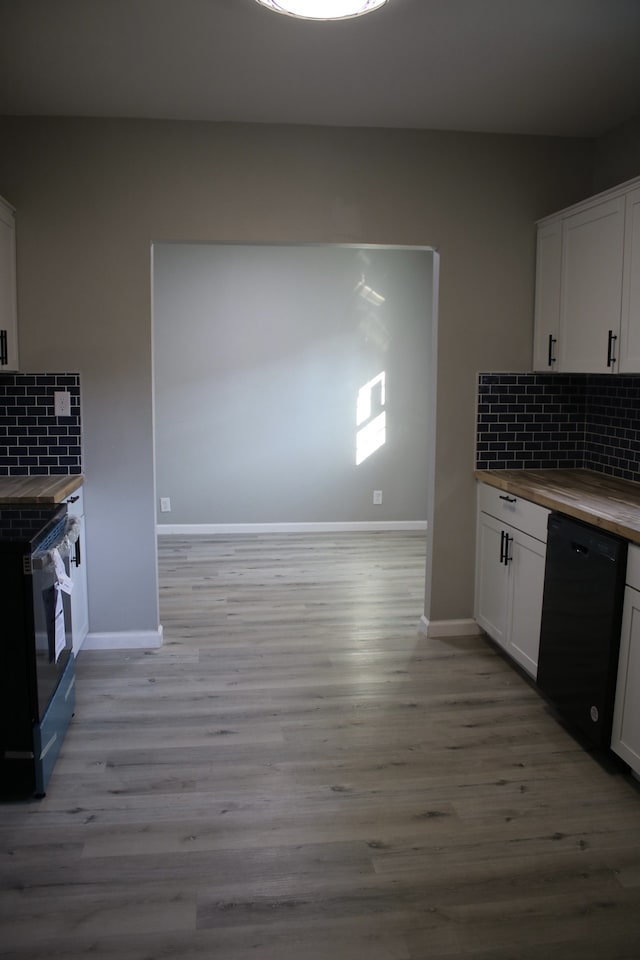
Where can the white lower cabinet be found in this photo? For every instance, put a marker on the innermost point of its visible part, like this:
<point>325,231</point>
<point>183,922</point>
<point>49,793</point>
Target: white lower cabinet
<point>510,559</point>
<point>491,578</point>
<point>625,736</point>
<point>78,574</point>
<point>525,612</point>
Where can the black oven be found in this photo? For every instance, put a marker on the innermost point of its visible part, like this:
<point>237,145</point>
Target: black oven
<point>37,694</point>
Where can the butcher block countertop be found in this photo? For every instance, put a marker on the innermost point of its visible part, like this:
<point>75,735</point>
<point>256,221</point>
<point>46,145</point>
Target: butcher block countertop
<point>47,489</point>
<point>605,502</point>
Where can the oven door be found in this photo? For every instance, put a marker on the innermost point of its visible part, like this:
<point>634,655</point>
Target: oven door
<point>51,620</point>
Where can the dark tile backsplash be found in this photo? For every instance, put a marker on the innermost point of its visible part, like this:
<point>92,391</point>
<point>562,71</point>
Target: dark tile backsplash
<point>529,420</point>
<point>32,439</point>
<point>612,427</point>
<point>545,420</point>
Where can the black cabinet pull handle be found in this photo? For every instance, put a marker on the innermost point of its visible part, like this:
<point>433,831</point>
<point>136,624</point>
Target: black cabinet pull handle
<point>551,358</point>
<point>507,541</point>
<point>502,536</point>
<point>77,559</point>
<point>508,499</point>
<point>4,351</point>
<point>611,359</point>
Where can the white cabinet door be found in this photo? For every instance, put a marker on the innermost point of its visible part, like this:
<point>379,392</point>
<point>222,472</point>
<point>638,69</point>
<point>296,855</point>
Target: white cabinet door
<point>78,573</point>
<point>630,329</point>
<point>591,298</point>
<point>625,737</point>
<point>510,573</point>
<point>526,576</point>
<point>79,604</point>
<point>547,304</point>
<point>491,578</point>
<point>8,306</point>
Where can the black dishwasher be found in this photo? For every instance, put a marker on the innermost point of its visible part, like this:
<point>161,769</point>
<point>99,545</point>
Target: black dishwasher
<point>581,617</point>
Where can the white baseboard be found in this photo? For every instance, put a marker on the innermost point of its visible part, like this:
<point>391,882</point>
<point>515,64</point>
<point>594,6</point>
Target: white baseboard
<point>123,640</point>
<point>230,529</point>
<point>449,628</point>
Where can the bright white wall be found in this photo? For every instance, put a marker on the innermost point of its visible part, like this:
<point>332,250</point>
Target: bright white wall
<point>260,353</point>
<point>93,195</point>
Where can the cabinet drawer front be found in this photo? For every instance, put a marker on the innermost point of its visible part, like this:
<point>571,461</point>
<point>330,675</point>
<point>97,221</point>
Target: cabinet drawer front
<point>522,514</point>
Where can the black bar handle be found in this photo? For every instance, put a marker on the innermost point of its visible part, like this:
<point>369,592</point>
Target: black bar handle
<point>77,559</point>
<point>507,541</point>
<point>551,358</point>
<point>502,536</point>
<point>508,499</point>
<point>611,359</point>
<point>4,352</point>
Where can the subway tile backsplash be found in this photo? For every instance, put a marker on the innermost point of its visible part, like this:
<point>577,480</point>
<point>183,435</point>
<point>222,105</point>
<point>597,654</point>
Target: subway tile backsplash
<point>612,426</point>
<point>544,420</point>
<point>529,421</point>
<point>32,439</point>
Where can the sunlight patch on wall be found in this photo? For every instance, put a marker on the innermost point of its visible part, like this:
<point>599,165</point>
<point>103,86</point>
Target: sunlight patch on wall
<point>373,432</point>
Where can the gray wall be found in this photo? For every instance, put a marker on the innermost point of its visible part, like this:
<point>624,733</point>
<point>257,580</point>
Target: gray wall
<point>617,155</point>
<point>259,356</point>
<point>92,196</point>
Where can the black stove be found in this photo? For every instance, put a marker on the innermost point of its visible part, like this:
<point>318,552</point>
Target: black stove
<point>36,662</point>
<point>30,526</point>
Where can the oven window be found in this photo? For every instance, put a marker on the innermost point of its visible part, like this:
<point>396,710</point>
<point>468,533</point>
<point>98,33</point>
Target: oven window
<point>52,625</point>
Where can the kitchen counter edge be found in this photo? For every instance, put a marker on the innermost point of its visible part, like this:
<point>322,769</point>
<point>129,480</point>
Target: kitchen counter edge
<point>38,489</point>
<point>606,502</point>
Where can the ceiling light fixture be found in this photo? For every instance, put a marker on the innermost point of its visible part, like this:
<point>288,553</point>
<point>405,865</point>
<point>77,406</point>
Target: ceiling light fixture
<point>323,9</point>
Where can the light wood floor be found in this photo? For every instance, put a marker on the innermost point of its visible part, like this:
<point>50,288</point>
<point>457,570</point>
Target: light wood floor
<point>298,775</point>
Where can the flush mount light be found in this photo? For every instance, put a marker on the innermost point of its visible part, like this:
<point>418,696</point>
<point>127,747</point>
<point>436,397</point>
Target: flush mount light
<point>323,9</point>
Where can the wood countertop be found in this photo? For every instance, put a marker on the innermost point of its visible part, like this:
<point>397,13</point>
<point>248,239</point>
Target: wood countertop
<point>45,489</point>
<point>606,502</point>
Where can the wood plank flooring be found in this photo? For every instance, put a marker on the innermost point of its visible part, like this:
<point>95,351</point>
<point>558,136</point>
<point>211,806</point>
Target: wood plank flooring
<point>297,773</point>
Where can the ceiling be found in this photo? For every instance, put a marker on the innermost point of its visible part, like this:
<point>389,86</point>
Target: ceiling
<point>557,67</point>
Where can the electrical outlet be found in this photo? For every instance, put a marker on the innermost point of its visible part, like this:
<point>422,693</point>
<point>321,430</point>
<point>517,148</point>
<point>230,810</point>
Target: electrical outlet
<point>165,504</point>
<point>377,497</point>
<point>62,403</point>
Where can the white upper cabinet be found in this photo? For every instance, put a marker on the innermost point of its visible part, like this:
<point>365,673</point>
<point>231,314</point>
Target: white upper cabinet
<point>547,315</point>
<point>591,288</point>
<point>587,308</point>
<point>630,329</point>
<point>8,307</point>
